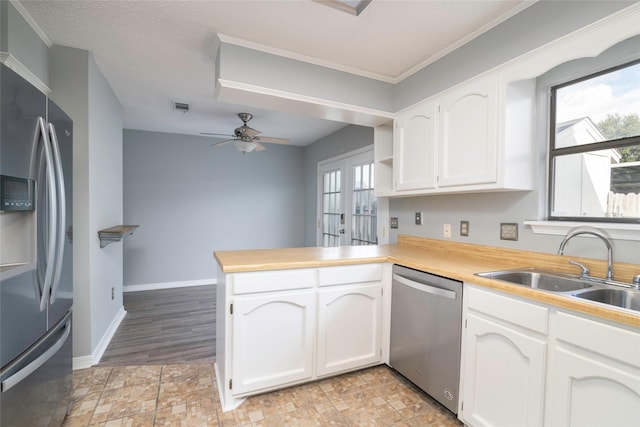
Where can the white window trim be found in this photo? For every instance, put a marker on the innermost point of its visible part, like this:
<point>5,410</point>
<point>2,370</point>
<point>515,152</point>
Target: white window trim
<point>619,231</point>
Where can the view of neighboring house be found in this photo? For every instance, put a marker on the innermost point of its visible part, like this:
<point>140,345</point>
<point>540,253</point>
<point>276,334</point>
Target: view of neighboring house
<point>595,181</point>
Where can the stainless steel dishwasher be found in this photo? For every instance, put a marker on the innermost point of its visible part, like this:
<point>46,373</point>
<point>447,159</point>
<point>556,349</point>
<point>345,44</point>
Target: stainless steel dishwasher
<point>426,321</point>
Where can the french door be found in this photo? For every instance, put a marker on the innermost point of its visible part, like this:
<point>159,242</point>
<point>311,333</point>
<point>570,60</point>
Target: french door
<point>347,203</point>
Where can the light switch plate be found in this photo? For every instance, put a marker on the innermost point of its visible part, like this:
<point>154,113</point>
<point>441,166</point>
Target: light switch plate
<point>508,231</point>
<point>418,217</point>
<point>394,222</point>
<point>464,228</point>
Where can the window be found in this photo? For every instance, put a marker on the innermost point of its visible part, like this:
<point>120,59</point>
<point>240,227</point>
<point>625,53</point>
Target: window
<point>594,155</point>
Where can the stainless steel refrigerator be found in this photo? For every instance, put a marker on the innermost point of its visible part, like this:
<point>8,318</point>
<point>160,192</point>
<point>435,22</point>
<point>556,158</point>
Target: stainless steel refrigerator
<point>36,275</point>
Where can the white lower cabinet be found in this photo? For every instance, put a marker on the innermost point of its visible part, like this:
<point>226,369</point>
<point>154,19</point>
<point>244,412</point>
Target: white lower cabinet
<point>530,364</point>
<point>284,327</point>
<point>272,338</point>
<point>590,393</point>
<point>503,364</point>
<point>596,374</point>
<point>349,327</point>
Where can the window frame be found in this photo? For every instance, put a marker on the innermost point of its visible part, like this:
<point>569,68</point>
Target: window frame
<point>554,152</point>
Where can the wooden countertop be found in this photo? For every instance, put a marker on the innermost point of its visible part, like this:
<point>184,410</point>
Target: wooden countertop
<point>451,259</point>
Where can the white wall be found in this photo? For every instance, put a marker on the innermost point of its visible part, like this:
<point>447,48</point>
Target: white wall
<point>191,199</point>
<point>79,88</point>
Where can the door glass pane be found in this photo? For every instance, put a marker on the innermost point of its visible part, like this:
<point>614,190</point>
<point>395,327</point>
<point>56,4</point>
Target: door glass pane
<point>331,214</point>
<point>363,210</point>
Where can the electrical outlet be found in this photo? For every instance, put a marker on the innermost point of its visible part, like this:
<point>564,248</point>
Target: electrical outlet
<point>418,218</point>
<point>446,230</point>
<point>113,293</point>
<point>394,222</point>
<point>508,231</point>
<point>464,228</point>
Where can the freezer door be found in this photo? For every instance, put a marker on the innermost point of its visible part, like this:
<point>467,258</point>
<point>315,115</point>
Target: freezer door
<point>36,388</point>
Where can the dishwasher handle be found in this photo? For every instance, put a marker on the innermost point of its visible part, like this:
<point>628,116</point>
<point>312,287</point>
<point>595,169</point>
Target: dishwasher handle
<point>425,287</point>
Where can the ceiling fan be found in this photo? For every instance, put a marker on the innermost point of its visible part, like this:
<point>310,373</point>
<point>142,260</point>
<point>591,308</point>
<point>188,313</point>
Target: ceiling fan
<point>246,139</point>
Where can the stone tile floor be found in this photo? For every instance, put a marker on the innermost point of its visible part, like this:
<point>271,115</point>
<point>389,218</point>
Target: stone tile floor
<point>186,395</point>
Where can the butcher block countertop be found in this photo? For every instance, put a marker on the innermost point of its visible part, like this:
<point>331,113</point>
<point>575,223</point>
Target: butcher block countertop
<point>450,259</point>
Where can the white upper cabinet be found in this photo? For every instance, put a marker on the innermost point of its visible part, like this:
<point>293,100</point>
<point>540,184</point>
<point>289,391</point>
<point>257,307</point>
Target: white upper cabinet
<point>415,148</point>
<point>467,137</point>
<point>473,137</point>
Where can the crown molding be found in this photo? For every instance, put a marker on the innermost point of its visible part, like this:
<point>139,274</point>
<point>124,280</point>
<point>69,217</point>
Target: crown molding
<point>248,94</point>
<point>17,66</point>
<point>32,22</point>
<point>303,58</point>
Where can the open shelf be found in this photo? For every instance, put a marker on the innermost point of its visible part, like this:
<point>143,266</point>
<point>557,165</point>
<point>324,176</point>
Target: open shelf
<point>115,234</point>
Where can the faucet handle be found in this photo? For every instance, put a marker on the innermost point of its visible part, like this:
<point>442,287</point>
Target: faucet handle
<point>636,281</point>
<point>585,270</point>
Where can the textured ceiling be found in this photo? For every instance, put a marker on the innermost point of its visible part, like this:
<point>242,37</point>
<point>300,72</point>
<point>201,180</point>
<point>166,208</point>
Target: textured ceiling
<point>155,52</point>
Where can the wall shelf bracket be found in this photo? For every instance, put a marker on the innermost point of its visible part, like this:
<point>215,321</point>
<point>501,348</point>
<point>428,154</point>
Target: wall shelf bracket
<point>115,234</point>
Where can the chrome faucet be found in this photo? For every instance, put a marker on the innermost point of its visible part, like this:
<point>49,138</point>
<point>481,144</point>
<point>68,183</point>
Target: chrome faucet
<point>595,233</point>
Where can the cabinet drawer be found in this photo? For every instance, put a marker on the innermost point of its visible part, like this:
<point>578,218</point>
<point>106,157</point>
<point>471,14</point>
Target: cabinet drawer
<point>278,280</point>
<point>521,313</point>
<point>349,274</point>
<point>611,341</point>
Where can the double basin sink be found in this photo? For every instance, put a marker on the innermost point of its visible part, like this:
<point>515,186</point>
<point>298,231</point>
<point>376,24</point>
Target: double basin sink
<point>616,294</point>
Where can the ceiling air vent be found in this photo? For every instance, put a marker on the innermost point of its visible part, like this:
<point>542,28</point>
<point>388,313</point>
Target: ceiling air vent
<point>181,106</point>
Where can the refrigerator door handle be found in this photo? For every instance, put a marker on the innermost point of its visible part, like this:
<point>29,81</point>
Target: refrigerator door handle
<point>62,214</point>
<point>52,215</point>
<point>38,362</point>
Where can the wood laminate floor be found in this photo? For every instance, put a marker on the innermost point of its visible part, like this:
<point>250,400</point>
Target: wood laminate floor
<point>166,326</point>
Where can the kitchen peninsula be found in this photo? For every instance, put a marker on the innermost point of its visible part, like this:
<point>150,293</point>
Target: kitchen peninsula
<point>281,320</point>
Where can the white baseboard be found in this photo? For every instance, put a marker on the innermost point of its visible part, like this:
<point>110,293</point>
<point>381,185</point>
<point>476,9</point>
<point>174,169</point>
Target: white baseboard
<point>83,362</point>
<point>168,285</point>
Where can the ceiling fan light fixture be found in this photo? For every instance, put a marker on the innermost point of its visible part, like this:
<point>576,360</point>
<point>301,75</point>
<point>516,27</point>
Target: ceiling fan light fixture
<point>245,146</point>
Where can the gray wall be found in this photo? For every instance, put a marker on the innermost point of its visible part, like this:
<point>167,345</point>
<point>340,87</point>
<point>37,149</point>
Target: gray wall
<point>486,211</point>
<point>537,25</point>
<point>80,89</point>
<point>237,63</point>
<point>191,199</point>
<point>343,141</point>
<point>18,39</point>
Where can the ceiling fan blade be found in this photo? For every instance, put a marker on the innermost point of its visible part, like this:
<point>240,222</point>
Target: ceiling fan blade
<point>226,135</point>
<point>226,141</point>
<point>272,140</point>
<point>259,147</point>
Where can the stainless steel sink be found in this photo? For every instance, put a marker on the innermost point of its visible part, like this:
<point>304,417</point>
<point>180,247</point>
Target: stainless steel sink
<point>623,298</point>
<point>593,289</point>
<point>539,279</point>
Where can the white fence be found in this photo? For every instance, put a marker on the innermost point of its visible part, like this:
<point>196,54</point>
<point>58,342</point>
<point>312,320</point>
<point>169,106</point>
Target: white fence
<point>623,205</point>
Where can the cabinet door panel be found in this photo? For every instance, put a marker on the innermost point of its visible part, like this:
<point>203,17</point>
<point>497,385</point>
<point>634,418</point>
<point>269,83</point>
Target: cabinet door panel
<point>468,135</point>
<point>590,393</point>
<point>349,328</point>
<point>504,375</point>
<point>272,340</point>
<point>414,148</point>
